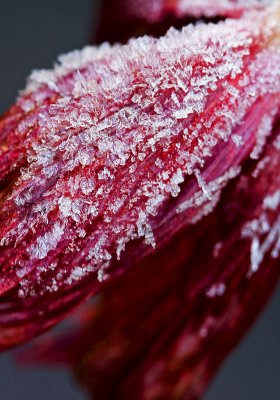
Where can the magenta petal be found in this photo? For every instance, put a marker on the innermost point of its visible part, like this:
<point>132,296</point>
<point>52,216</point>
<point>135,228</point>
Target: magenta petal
<point>104,159</point>
<point>161,331</point>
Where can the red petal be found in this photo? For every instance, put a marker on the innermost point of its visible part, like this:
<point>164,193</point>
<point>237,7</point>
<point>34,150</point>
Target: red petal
<point>122,143</point>
<point>161,331</point>
<point>122,19</point>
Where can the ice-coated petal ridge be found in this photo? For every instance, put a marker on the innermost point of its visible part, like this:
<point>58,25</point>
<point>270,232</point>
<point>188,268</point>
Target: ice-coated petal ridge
<point>127,142</point>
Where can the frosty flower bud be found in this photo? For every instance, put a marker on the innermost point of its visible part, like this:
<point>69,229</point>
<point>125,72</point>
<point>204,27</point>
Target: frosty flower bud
<point>108,156</point>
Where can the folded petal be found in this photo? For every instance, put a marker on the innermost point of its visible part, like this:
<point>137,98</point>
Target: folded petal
<point>108,156</point>
<point>161,331</point>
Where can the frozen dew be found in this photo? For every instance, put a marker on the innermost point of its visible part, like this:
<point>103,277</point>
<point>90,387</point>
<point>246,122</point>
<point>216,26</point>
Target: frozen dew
<point>237,139</point>
<point>214,187</point>
<point>217,290</point>
<point>265,237</point>
<point>113,133</point>
<point>262,133</point>
<point>272,201</point>
<point>46,243</point>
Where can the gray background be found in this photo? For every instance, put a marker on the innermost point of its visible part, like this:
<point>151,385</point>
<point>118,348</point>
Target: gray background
<point>32,34</point>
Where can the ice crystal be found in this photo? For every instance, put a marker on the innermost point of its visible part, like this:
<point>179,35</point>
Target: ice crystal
<point>106,124</point>
<point>119,147</point>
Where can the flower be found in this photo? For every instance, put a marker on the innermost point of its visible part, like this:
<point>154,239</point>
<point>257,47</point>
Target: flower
<point>147,173</point>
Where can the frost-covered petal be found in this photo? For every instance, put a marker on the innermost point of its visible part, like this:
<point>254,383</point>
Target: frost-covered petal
<point>106,157</point>
<point>161,331</point>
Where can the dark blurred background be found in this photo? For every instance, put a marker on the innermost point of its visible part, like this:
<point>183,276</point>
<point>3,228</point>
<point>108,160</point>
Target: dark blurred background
<point>32,34</point>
